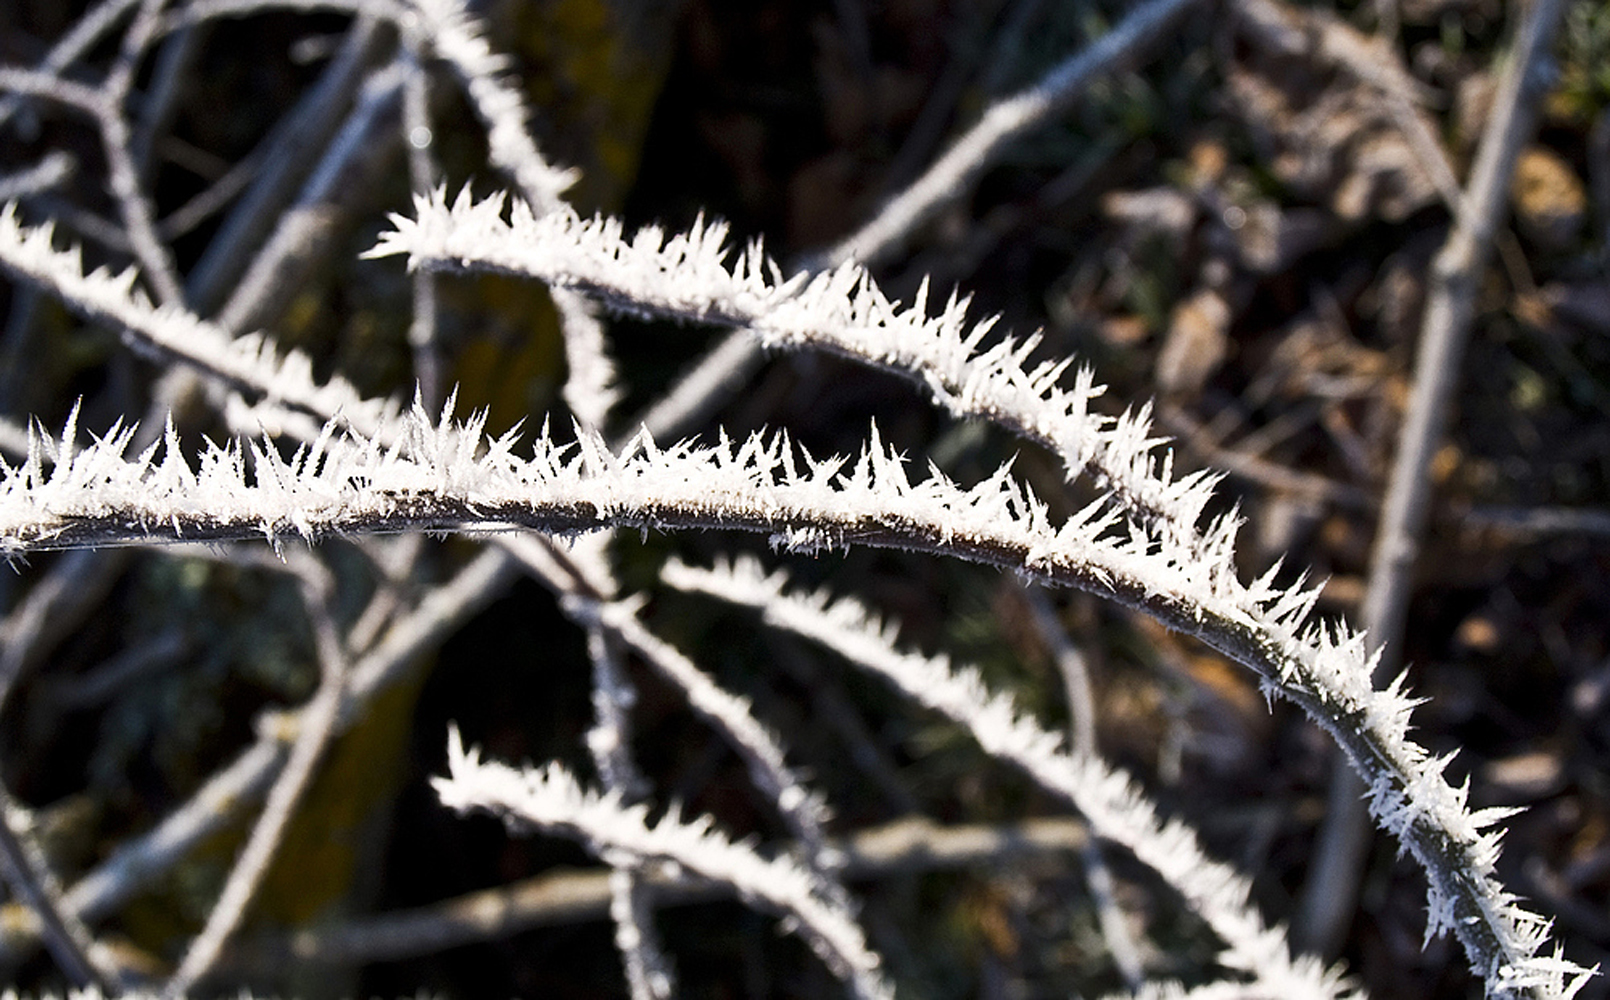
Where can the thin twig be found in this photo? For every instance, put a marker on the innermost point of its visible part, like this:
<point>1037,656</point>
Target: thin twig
<point>283,159</point>
<point>29,876</point>
<point>700,390</point>
<point>1330,895</point>
<point>301,234</point>
<point>85,34</point>
<point>123,177</point>
<point>140,860</point>
<point>905,846</point>
<point>316,725</point>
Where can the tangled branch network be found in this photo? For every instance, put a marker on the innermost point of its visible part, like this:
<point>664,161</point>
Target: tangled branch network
<point>297,459</point>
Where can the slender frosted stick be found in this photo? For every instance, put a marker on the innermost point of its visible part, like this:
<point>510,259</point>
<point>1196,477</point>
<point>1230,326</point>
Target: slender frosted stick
<point>1117,811</point>
<point>551,799</point>
<point>445,477</point>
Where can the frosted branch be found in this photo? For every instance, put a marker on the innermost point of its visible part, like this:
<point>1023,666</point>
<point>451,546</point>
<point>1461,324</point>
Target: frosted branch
<point>1116,809</point>
<point>248,363</point>
<point>550,799</point>
<point>1160,565</point>
<point>695,277</point>
<point>449,477</point>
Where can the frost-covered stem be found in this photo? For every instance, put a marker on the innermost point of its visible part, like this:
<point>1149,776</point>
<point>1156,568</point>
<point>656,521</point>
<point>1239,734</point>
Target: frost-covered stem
<point>689,277</point>
<point>608,740</point>
<point>729,714</point>
<point>210,346</point>
<point>172,334</point>
<point>1114,807</point>
<point>1114,926</point>
<point>590,390</point>
<point>140,860</point>
<point>648,971</point>
<point>591,394</point>
<point>316,725</point>
<point>458,39</point>
<point>1330,896</point>
<point>551,800</point>
<point>631,907</point>
<point>28,876</point>
<point>94,497</point>
<point>583,596</point>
